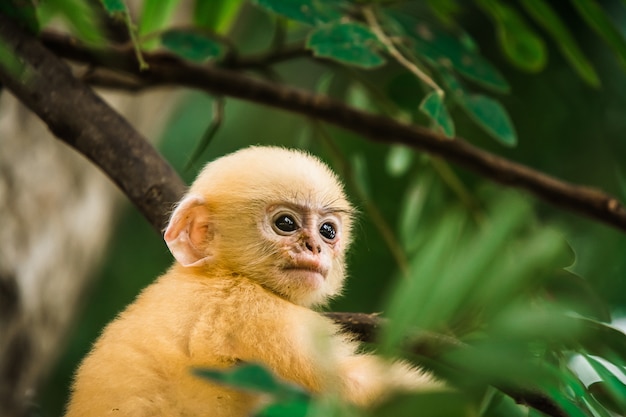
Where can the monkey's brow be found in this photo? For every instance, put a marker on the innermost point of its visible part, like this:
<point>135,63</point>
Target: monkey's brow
<point>322,209</point>
<point>333,210</point>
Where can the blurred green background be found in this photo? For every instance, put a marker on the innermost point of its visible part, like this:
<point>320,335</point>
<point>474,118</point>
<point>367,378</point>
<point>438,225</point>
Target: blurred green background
<point>565,128</point>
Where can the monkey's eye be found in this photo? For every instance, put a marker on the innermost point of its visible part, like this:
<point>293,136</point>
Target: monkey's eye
<point>285,223</point>
<point>328,231</point>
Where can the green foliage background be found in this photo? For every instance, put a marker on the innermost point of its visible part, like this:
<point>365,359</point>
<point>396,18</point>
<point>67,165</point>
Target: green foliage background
<point>563,69</point>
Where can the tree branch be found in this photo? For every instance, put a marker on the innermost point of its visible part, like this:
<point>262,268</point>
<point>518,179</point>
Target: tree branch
<point>366,327</point>
<point>167,70</point>
<point>77,116</point>
<point>267,59</point>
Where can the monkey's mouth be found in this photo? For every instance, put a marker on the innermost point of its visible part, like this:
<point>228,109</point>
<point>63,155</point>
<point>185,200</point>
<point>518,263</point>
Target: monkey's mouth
<point>307,268</point>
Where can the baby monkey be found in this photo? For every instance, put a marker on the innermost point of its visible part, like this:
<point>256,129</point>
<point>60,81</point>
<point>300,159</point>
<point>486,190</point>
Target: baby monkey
<point>259,239</point>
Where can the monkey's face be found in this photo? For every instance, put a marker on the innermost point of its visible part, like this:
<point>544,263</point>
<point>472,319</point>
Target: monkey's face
<point>277,216</point>
<point>307,244</point>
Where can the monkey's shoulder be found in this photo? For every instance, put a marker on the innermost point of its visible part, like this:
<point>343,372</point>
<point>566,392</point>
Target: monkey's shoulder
<point>214,311</point>
<point>217,292</point>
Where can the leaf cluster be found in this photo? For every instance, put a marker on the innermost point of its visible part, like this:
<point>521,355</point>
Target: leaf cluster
<point>426,42</point>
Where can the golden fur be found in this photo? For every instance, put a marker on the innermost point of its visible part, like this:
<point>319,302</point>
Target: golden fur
<point>235,295</point>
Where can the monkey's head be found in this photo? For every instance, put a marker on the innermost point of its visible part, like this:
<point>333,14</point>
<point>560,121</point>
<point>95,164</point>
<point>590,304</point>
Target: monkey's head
<point>277,216</point>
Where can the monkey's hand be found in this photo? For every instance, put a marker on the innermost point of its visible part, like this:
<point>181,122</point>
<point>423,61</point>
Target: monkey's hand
<point>369,380</point>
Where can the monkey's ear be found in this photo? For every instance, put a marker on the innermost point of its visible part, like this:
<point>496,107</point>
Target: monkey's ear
<point>189,232</point>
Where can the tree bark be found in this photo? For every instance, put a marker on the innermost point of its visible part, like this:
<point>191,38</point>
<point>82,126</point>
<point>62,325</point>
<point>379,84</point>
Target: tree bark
<point>80,118</point>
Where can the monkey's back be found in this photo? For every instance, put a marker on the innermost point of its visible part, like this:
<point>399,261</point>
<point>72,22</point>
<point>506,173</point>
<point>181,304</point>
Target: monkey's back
<point>141,364</point>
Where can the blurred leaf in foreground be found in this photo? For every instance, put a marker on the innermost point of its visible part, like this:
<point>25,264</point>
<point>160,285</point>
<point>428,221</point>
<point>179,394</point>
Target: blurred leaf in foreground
<point>287,399</point>
<point>486,268</point>
<point>433,404</point>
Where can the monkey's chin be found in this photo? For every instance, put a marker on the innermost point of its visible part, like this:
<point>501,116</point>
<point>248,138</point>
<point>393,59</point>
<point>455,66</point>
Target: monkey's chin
<point>306,277</point>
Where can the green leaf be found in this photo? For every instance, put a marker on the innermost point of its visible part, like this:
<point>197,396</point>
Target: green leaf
<point>83,17</point>
<point>600,339</point>
<point>485,361</point>
<point>432,404</point>
<point>442,49</point>
<point>545,322</point>
<point>192,45</point>
<point>434,107</point>
<point>486,112</point>
<point>524,48</point>
<point>576,293</point>
<point>114,6</point>
<point>312,12</point>
<point>217,15</point>
<point>399,160</point>
<point>349,43</point>
<point>597,19</point>
<point>503,405</point>
<point>604,396</point>
<point>324,83</point>
<point>551,22</point>
<point>249,377</point>
<point>569,255</point>
<point>411,208</point>
<point>288,400</point>
<point>488,269</point>
<point>407,306</point>
<point>294,408</point>
<point>491,116</point>
<point>445,10</point>
<point>453,85</point>
<point>615,389</point>
<point>357,97</point>
<point>582,393</point>
<point>571,409</point>
<point>154,17</point>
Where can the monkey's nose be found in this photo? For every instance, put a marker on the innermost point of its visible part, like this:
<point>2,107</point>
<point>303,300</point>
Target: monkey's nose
<point>312,246</point>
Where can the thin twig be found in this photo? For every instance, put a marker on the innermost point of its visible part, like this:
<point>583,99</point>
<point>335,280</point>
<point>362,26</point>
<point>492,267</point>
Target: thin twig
<point>216,122</point>
<point>370,18</point>
<point>132,31</point>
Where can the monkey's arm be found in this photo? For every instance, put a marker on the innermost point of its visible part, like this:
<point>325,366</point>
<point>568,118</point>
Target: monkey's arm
<point>304,347</point>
